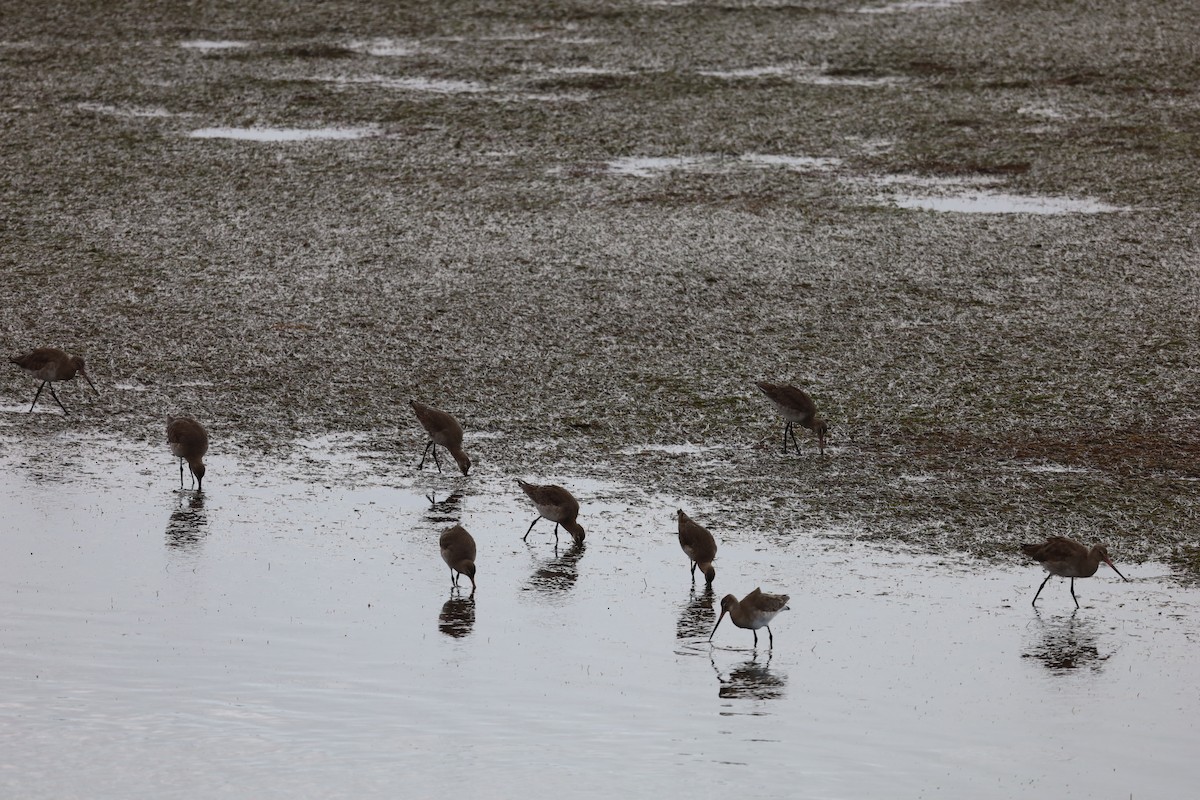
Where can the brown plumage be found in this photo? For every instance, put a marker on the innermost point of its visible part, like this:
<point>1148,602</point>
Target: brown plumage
<point>458,551</point>
<point>189,442</point>
<point>444,430</point>
<point>754,611</point>
<point>1065,558</point>
<point>699,545</point>
<point>49,364</point>
<point>557,505</point>
<point>796,407</point>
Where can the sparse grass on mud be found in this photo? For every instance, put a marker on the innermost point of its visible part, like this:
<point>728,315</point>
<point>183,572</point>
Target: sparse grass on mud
<point>990,378</point>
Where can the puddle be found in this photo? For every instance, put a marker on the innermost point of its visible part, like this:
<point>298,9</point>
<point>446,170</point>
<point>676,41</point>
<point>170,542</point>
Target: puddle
<point>911,5</point>
<point>796,163</point>
<point>1054,469</point>
<point>802,74</point>
<point>284,134</point>
<point>1000,203</point>
<point>652,166</point>
<point>126,111</point>
<point>649,166</point>
<point>416,84</point>
<point>209,45</point>
<point>390,48</point>
<point>438,86</point>
<point>304,635</point>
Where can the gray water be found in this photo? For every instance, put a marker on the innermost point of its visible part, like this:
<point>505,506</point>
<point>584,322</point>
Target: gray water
<point>293,632</point>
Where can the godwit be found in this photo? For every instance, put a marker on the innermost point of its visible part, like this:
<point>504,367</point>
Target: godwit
<point>1065,558</point>
<point>49,364</point>
<point>756,610</point>
<point>458,551</point>
<point>189,442</point>
<point>443,429</point>
<point>699,545</point>
<point>557,505</point>
<point>796,406</point>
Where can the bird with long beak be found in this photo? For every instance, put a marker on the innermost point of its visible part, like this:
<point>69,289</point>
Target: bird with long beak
<point>796,406</point>
<point>698,545</point>
<point>557,505</point>
<point>458,551</point>
<point>189,442</point>
<point>754,611</point>
<point>444,430</point>
<point>49,364</point>
<point>1065,558</point>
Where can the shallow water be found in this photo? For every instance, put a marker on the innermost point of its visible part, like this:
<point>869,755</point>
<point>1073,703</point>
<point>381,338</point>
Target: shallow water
<point>1002,203</point>
<point>283,134</point>
<point>292,632</point>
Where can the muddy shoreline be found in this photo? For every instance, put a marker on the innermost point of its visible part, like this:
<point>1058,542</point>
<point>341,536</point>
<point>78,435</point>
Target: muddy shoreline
<point>989,377</point>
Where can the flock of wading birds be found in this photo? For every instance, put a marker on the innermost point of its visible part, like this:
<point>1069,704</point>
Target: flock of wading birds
<point>188,441</point>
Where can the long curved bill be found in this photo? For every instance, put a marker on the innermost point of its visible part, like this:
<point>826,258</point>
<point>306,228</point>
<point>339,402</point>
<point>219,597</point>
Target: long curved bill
<point>1114,569</point>
<point>716,626</point>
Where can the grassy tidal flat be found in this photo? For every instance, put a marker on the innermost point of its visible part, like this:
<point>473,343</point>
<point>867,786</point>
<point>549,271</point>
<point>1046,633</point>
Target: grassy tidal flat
<point>969,229</point>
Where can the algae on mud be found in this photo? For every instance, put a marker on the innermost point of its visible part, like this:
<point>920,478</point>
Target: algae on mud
<point>474,254</point>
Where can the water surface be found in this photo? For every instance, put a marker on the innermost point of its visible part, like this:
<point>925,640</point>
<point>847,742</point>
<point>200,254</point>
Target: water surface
<point>293,632</point>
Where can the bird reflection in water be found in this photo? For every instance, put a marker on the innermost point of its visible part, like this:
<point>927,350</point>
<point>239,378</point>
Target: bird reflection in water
<point>751,680</point>
<point>558,574</point>
<point>696,616</point>
<point>457,617</point>
<point>188,523</point>
<point>444,510</point>
<point>1065,643</point>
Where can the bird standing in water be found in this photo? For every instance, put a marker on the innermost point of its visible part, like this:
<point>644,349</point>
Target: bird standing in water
<point>699,545</point>
<point>49,364</point>
<point>189,442</point>
<point>458,551</point>
<point>1065,558</point>
<point>443,429</point>
<point>557,505</point>
<point>754,611</point>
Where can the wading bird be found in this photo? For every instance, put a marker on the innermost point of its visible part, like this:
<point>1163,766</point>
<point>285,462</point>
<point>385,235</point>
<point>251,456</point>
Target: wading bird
<point>49,364</point>
<point>699,545</point>
<point>796,407</point>
<point>557,505</point>
<point>754,611</point>
<point>443,429</point>
<point>1068,559</point>
<point>458,551</point>
<point>189,442</point>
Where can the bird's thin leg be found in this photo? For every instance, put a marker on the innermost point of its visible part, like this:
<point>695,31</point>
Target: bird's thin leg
<point>453,577</point>
<point>796,443</point>
<point>425,454</point>
<point>1073,597</point>
<point>755,637</point>
<point>535,521</point>
<point>55,396</point>
<point>556,533</point>
<point>192,472</point>
<point>787,426</point>
<point>37,395</point>
<point>181,474</point>
<point>1039,591</point>
<point>771,638</point>
<point>435,458</point>
<point>693,572</point>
